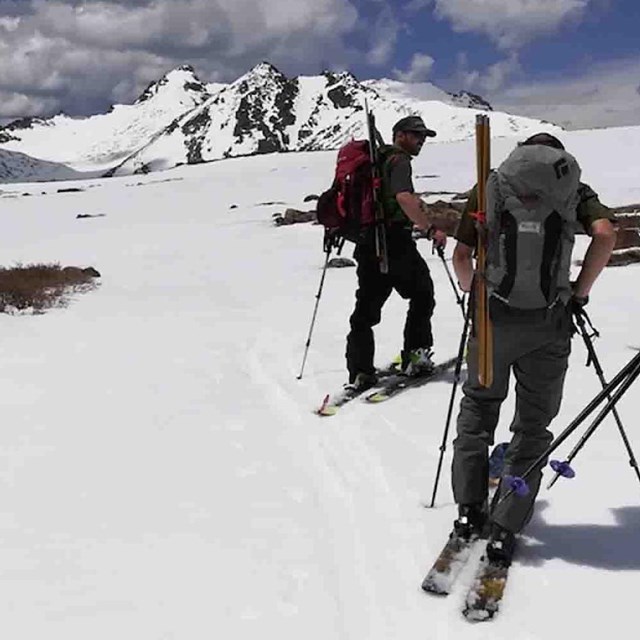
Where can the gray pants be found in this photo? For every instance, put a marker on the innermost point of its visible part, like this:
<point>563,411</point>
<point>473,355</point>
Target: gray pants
<point>536,345</point>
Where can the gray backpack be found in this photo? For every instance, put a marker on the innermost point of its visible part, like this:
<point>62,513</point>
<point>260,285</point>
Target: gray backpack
<point>531,219</point>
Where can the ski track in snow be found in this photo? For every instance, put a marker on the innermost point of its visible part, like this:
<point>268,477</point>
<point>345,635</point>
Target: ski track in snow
<point>353,491</point>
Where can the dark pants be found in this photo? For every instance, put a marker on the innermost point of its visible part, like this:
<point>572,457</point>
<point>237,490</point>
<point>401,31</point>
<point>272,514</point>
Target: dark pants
<point>536,346</point>
<point>409,276</point>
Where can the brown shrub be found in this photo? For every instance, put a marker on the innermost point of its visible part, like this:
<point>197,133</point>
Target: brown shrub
<point>42,286</point>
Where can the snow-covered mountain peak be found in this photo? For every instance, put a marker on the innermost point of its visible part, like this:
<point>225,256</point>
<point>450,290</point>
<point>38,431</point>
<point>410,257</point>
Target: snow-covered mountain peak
<point>262,72</point>
<point>182,79</point>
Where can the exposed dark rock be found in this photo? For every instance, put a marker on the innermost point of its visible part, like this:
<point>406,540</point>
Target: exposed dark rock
<point>6,137</point>
<point>87,271</point>
<point>627,238</point>
<point>471,100</point>
<point>70,190</point>
<point>621,258</point>
<point>341,98</point>
<point>340,263</point>
<point>293,216</point>
<point>23,123</point>
<point>311,197</point>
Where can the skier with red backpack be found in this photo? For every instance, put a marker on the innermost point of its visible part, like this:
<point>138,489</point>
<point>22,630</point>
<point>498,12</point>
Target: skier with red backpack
<point>404,268</point>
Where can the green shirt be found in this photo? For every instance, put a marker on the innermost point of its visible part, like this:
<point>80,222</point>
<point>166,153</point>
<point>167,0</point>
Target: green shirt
<point>396,178</point>
<point>589,210</point>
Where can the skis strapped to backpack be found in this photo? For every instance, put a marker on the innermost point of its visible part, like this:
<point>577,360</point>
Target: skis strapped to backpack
<point>482,322</point>
<point>381,234</point>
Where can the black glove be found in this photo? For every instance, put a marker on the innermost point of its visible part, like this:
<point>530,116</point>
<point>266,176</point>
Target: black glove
<point>331,240</point>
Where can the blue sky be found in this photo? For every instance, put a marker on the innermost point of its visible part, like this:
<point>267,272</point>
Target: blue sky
<point>602,31</point>
<point>555,59</point>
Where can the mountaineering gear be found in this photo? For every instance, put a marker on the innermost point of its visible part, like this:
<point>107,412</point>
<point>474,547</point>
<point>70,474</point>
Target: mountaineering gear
<point>362,381</point>
<point>390,384</point>
<point>414,124</point>
<point>401,383</point>
<point>315,309</point>
<point>348,205</point>
<point>496,463</point>
<point>409,276</point>
<point>501,545</point>
<point>484,597</point>
<point>621,383</point>
<point>470,522</point>
<point>581,319</point>
<point>531,215</point>
<point>482,328</point>
<point>456,381</point>
<point>588,210</point>
<point>418,362</point>
<point>375,141</point>
<point>543,138</point>
<point>353,202</point>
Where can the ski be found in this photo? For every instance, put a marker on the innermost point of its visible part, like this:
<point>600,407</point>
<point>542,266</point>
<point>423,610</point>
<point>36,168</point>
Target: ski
<point>397,384</point>
<point>457,551</point>
<point>485,594</point>
<point>448,565</point>
<point>333,402</point>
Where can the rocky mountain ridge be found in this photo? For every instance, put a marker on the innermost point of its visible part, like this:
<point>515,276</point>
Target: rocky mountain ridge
<point>181,120</point>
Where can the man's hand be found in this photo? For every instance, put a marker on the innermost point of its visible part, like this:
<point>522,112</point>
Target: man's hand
<point>438,237</point>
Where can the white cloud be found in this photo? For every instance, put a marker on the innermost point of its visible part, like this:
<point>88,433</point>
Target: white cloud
<point>384,36</point>
<point>77,52</point>
<point>605,95</point>
<point>419,69</point>
<point>510,23</point>
<point>491,78</point>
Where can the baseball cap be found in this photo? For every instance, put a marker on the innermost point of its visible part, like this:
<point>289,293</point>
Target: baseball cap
<point>413,123</point>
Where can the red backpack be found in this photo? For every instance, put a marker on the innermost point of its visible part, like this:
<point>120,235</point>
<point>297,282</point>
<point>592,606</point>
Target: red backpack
<point>348,206</point>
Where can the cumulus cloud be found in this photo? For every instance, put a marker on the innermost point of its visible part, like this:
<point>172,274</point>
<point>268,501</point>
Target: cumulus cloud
<point>605,95</point>
<point>419,69</point>
<point>491,78</point>
<point>384,34</point>
<point>82,55</point>
<point>510,23</point>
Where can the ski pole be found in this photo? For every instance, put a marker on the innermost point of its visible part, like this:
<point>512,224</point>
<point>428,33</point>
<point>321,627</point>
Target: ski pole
<point>592,357</point>
<point>315,309</point>
<point>456,380</point>
<point>459,298</point>
<point>623,379</point>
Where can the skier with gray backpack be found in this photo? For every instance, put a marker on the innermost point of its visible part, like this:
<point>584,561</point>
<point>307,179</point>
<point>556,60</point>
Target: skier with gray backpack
<point>533,201</point>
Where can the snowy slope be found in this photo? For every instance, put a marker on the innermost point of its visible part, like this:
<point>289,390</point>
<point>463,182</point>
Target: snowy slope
<point>18,167</point>
<point>100,141</point>
<point>164,476</point>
